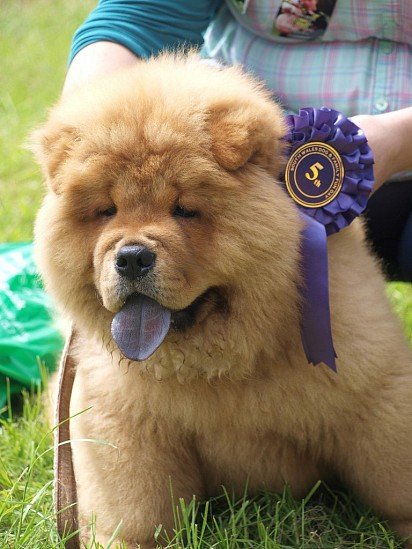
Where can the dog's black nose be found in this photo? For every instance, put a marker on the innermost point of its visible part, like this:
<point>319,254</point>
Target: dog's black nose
<point>134,261</point>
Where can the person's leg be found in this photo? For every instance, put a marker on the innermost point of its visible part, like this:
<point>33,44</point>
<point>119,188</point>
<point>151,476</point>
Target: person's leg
<point>405,250</point>
<point>389,228</point>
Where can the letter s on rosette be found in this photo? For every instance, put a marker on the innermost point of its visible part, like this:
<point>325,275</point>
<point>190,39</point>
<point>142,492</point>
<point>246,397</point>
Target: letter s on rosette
<point>329,175</point>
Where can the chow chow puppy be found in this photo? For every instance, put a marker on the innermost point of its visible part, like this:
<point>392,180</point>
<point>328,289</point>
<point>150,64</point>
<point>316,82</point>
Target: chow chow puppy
<point>166,233</point>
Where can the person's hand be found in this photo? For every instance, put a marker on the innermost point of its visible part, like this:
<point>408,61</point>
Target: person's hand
<point>389,136</point>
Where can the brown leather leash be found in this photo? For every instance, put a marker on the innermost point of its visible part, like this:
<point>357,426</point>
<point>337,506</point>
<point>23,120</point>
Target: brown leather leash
<point>65,494</point>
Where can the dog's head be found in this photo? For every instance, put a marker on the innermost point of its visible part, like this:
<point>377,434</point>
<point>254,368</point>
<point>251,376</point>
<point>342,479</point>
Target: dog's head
<point>162,183</point>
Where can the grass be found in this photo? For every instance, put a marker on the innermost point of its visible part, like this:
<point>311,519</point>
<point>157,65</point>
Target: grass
<point>34,43</point>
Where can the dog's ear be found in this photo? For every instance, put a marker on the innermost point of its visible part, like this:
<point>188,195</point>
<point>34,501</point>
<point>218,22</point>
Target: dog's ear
<point>51,145</point>
<point>246,133</point>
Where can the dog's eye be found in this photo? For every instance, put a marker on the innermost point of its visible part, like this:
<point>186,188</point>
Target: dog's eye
<point>109,212</point>
<point>180,211</point>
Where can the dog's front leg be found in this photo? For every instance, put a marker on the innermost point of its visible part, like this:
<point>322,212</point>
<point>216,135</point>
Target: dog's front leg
<point>133,482</point>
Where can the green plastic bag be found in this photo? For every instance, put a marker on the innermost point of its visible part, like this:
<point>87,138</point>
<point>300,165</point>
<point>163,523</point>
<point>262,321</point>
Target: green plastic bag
<point>28,337</point>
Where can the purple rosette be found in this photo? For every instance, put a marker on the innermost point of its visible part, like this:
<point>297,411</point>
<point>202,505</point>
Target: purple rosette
<point>333,128</point>
<point>329,175</point>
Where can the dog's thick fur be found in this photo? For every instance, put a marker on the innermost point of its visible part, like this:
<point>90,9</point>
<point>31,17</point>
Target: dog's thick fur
<point>231,399</point>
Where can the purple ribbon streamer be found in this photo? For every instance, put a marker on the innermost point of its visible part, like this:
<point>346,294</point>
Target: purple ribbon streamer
<point>316,332</point>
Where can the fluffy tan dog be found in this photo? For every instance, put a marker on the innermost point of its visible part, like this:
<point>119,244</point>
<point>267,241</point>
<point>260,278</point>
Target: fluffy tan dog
<point>162,181</point>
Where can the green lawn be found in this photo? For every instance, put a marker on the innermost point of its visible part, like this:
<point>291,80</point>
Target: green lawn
<point>34,43</point>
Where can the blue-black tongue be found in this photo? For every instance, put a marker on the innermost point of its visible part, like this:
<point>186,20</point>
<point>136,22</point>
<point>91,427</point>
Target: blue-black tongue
<point>140,326</point>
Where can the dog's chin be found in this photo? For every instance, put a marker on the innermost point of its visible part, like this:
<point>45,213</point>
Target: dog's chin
<point>213,300</point>
<point>142,323</point>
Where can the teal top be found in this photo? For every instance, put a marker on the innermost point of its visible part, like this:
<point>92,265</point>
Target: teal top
<point>146,27</point>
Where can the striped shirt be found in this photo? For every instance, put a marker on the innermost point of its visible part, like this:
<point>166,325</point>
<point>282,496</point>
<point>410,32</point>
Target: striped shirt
<point>361,64</point>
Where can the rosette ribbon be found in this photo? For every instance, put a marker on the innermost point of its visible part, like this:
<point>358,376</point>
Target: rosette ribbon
<point>329,174</point>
